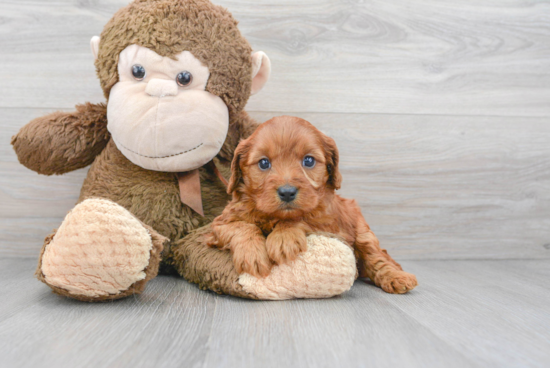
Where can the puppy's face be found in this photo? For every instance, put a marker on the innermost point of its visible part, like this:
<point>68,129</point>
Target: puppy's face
<point>285,167</point>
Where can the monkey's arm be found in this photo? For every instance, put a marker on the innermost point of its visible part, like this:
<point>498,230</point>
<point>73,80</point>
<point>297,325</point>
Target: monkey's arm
<point>61,142</point>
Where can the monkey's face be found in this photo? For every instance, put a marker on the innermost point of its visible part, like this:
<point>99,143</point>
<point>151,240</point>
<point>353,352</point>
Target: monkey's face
<point>159,114</point>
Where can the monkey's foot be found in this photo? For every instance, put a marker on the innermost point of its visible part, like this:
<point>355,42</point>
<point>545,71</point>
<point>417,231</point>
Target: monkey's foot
<point>326,269</point>
<point>100,252</point>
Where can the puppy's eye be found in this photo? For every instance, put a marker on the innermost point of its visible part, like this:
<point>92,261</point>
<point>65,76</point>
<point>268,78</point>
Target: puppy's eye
<point>138,72</point>
<point>264,164</point>
<point>308,161</point>
<point>184,78</point>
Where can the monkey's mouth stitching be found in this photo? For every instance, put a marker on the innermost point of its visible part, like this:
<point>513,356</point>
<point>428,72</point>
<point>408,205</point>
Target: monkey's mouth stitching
<point>175,154</point>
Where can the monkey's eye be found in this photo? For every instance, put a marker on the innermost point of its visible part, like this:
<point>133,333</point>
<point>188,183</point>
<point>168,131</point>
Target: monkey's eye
<point>308,161</point>
<point>184,78</point>
<point>138,72</point>
<point>264,164</point>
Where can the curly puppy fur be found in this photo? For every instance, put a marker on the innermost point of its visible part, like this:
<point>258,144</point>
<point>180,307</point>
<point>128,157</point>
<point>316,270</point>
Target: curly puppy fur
<point>261,229</point>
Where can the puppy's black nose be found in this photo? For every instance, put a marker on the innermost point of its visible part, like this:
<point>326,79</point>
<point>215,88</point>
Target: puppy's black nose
<point>287,193</point>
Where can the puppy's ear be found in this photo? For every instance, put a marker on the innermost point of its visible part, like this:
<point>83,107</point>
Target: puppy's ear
<point>332,157</point>
<point>236,173</point>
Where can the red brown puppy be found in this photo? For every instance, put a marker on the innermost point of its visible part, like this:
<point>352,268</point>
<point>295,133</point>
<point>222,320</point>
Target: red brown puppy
<point>283,181</point>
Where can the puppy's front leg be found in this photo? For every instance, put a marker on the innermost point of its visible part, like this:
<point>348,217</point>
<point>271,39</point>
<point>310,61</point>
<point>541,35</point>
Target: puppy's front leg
<point>286,241</point>
<point>376,263</point>
<point>246,243</point>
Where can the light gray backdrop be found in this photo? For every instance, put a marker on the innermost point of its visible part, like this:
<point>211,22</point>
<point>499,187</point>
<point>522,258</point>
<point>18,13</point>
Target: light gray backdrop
<point>440,109</point>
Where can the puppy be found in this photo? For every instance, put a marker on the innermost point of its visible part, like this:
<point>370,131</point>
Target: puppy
<point>283,181</point>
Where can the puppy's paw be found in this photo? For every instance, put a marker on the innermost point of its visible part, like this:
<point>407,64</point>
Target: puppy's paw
<point>252,258</point>
<point>398,282</point>
<point>284,246</point>
<point>211,240</point>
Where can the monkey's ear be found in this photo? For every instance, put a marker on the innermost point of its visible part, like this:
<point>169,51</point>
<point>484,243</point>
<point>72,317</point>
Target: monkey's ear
<point>94,45</point>
<point>236,173</point>
<point>261,68</point>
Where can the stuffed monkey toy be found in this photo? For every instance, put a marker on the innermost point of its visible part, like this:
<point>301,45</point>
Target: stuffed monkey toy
<point>176,75</point>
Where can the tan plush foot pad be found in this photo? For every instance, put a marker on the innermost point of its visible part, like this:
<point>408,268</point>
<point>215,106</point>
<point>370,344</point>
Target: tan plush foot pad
<point>100,249</point>
<point>327,269</point>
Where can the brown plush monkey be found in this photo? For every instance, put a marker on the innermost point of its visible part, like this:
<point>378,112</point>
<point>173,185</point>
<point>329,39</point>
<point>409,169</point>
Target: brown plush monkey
<point>176,75</point>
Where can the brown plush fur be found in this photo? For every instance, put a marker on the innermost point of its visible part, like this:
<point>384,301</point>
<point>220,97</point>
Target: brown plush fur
<point>62,142</point>
<point>169,27</point>
<point>260,229</point>
<point>153,196</point>
<point>211,269</point>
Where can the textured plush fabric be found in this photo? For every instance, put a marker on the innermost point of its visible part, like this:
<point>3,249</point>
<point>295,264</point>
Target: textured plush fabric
<point>100,252</point>
<point>99,249</point>
<point>326,269</point>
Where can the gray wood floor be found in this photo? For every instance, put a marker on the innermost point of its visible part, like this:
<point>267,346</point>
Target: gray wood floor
<point>464,314</point>
<point>441,112</point>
